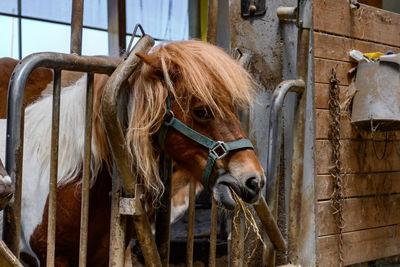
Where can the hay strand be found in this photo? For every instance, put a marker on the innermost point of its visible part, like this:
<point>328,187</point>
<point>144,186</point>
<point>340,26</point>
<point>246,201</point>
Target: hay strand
<point>250,223</point>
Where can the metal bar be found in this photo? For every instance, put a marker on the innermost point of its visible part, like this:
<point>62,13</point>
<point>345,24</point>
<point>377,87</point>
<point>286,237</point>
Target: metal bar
<point>286,13</point>
<point>116,140</point>
<point>116,19</point>
<point>163,219</point>
<point>86,171</point>
<point>110,114</point>
<point>118,225</point>
<point>194,19</point>
<point>270,225</point>
<point>273,157</point>
<point>273,135</point>
<point>237,242</point>
<point>15,124</point>
<point>7,258</point>
<point>213,234</point>
<point>51,226</point>
<point>212,21</point>
<point>76,27</point>
<point>299,186</point>
<point>190,230</point>
<point>19,31</point>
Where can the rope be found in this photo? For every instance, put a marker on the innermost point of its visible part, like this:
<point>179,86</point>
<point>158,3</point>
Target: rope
<point>334,138</point>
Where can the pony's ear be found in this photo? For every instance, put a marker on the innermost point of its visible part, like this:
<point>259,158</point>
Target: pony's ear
<point>151,60</point>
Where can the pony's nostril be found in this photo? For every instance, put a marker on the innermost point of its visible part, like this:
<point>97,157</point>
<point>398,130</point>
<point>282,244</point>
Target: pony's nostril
<point>253,184</point>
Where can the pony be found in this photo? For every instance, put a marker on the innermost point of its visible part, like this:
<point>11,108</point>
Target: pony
<point>6,187</point>
<point>205,87</point>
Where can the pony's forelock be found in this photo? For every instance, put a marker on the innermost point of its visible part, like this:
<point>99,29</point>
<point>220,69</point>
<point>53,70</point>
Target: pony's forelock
<point>191,69</point>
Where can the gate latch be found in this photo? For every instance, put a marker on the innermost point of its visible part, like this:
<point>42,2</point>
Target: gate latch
<point>251,8</point>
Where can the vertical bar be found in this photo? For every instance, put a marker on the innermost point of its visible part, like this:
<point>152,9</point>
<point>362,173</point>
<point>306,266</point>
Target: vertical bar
<point>212,21</point>
<point>237,242</point>
<point>213,234</point>
<point>51,226</point>
<point>76,27</point>
<point>190,231</point>
<point>163,219</point>
<point>194,19</point>
<point>86,171</point>
<point>19,30</point>
<point>116,27</point>
<point>118,225</point>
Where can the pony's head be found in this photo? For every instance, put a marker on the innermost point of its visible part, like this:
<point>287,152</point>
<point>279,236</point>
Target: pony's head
<point>205,87</point>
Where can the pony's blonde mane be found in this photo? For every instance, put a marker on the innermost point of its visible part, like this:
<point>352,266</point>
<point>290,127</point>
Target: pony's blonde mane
<point>189,69</point>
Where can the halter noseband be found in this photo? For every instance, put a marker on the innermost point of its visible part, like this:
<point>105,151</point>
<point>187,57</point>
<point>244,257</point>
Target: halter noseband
<point>217,149</point>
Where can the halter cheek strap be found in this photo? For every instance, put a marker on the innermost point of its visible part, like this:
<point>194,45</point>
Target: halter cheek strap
<point>217,149</point>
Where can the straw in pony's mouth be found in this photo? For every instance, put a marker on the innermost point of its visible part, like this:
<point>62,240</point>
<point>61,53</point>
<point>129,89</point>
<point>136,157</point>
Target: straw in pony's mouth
<point>249,223</point>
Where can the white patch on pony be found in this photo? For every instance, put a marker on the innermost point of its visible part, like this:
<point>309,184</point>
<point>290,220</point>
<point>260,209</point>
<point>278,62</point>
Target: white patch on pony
<point>178,210</point>
<point>36,164</point>
<point>5,179</point>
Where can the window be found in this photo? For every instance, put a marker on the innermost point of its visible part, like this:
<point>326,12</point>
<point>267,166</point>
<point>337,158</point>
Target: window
<point>46,24</point>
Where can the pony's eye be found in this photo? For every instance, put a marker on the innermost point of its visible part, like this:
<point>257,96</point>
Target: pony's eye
<point>203,113</point>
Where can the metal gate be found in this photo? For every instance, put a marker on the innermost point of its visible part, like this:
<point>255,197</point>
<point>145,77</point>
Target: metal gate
<point>128,203</point>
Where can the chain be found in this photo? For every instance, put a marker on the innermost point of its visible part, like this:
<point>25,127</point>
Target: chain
<point>334,137</point>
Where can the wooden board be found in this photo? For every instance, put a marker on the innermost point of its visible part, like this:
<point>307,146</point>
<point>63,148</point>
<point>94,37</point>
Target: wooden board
<point>360,246</point>
<point>358,156</point>
<point>366,23</point>
<point>359,213</point>
<point>367,184</point>
<point>347,130</point>
<point>337,47</point>
<point>323,69</point>
<point>322,95</point>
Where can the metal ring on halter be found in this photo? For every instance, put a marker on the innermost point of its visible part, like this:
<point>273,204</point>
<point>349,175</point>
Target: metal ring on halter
<point>137,26</point>
<point>219,150</point>
<point>169,117</point>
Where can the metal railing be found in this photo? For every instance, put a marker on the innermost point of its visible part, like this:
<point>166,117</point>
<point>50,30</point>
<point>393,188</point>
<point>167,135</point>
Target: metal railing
<point>15,133</point>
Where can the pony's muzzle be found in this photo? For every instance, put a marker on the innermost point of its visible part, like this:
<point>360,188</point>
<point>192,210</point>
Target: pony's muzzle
<point>248,189</point>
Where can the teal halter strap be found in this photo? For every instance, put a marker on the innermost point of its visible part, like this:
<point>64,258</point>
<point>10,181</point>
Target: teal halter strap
<point>217,149</point>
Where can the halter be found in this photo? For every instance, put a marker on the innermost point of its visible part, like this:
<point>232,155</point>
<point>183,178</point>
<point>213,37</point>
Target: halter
<point>216,149</point>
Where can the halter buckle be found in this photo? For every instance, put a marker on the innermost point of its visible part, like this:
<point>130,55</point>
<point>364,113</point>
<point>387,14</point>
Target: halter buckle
<point>219,150</point>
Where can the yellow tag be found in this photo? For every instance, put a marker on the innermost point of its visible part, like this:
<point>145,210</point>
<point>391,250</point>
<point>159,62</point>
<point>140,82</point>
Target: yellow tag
<point>374,55</point>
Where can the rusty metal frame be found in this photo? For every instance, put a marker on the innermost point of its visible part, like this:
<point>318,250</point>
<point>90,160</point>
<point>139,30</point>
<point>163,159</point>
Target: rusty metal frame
<point>15,128</point>
<point>116,140</point>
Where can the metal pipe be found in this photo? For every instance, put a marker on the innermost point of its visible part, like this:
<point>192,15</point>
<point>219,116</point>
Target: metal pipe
<point>190,230</point>
<point>76,27</point>
<point>7,256</point>
<point>297,181</point>
<point>116,139</point>
<point>86,171</point>
<point>163,219</point>
<point>286,13</point>
<point>117,225</point>
<point>213,233</point>
<point>269,224</point>
<point>51,225</point>
<point>15,123</point>
<point>273,134</point>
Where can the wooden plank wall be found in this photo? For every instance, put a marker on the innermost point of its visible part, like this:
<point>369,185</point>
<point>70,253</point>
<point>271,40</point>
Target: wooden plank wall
<point>371,185</point>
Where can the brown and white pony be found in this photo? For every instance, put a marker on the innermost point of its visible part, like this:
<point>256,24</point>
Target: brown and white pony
<point>207,87</point>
